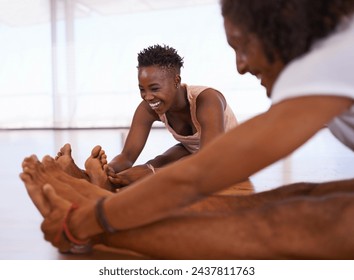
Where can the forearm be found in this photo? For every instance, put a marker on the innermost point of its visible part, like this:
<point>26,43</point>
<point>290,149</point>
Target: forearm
<point>120,163</point>
<point>171,155</point>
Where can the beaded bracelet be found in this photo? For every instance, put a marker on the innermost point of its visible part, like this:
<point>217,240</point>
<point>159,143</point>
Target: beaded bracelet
<point>101,217</point>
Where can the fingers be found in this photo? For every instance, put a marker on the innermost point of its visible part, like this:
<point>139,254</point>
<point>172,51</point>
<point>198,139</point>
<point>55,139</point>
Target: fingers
<point>109,171</point>
<point>118,181</point>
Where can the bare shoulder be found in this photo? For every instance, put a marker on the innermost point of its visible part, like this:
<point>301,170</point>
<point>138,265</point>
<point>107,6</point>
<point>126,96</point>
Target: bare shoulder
<point>211,96</point>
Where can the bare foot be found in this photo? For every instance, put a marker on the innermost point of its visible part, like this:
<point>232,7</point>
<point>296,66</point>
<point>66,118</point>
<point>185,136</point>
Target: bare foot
<point>47,171</point>
<point>82,186</point>
<point>34,189</point>
<point>96,168</point>
<point>66,163</point>
<point>35,177</point>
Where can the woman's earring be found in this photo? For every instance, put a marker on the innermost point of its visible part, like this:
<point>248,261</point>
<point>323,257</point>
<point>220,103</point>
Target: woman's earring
<point>177,85</point>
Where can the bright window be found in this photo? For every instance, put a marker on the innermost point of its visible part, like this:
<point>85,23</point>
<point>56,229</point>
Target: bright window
<point>73,63</point>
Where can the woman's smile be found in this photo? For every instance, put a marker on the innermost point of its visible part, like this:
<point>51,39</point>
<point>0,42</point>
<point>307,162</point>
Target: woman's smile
<point>154,105</point>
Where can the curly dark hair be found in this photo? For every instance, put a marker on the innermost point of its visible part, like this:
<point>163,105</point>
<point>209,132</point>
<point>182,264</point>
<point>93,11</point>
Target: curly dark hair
<point>287,28</point>
<point>163,56</point>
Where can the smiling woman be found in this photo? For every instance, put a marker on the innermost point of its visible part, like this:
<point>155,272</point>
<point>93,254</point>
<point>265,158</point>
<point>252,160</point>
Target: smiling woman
<point>194,115</point>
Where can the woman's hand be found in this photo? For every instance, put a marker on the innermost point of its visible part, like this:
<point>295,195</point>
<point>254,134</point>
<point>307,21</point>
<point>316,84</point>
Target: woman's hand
<point>126,177</point>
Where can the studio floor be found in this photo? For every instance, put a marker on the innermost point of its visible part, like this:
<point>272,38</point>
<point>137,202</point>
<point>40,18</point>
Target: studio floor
<point>322,158</point>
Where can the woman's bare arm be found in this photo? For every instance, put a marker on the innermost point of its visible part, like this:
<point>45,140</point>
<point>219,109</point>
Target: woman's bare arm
<point>136,139</point>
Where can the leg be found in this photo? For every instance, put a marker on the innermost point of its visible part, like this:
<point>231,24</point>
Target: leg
<point>223,203</point>
<point>346,186</point>
<point>296,189</point>
<point>299,228</point>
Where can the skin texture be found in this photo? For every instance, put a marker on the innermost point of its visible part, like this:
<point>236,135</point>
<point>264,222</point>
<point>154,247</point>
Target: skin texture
<point>304,221</point>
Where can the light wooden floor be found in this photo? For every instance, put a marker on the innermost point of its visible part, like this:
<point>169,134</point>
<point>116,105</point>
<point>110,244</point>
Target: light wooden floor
<point>323,158</point>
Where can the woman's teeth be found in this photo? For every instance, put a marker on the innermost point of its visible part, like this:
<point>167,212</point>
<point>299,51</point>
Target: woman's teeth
<point>155,105</point>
